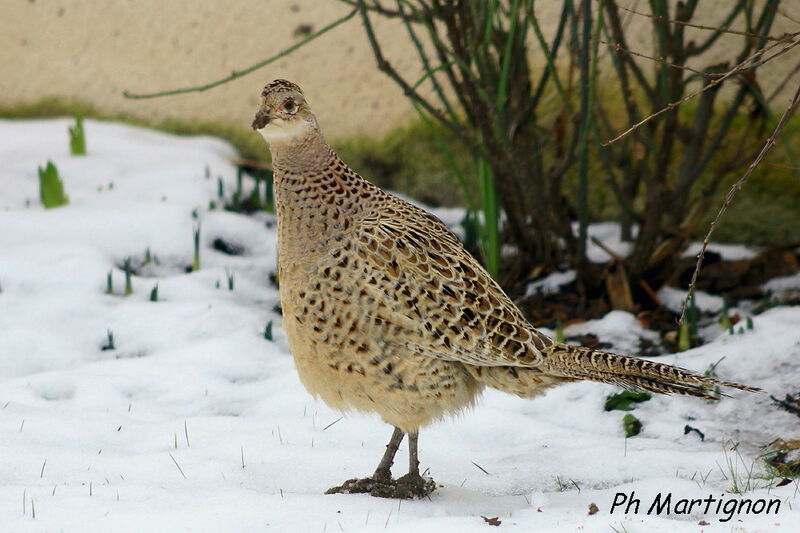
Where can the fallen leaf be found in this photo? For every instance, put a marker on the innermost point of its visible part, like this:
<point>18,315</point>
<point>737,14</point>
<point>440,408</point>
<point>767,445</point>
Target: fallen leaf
<point>593,508</point>
<point>492,521</point>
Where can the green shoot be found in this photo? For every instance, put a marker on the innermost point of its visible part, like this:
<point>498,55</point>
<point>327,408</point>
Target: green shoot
<point>77,137</point>
<point>687,333</point>
<point>488,229</point>
<point>749,322</point>
<point>220,188</point>
<point>693,318</point>
<point>229,274</point>
<point>109,345</point>
<point>631,425</point>
<point>51,188</point>
<point>711,372</point>
<point>268,331</point>
<point>110,282</point>
<point>684,342</point>
<point>126,265</point>
<point>255,196</point>
<point>196,257</point>
<point>154,293</point>
<point>559,330</point>
<point>470,224</point>
<point>724,318</point>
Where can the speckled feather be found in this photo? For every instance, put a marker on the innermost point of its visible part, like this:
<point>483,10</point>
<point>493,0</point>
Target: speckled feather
<point>385,311</point>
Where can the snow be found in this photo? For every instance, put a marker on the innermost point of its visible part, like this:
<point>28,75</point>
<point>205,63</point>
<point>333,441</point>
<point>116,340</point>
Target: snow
<point>620,329</point>
<point>783,284</point>
<point>610,234</point>
<point>550,284</point>
<point>673,298</point>
<point>195,422</point>
<point>728,252</point>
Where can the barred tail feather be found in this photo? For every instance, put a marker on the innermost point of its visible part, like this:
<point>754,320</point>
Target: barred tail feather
<point>594,365</point>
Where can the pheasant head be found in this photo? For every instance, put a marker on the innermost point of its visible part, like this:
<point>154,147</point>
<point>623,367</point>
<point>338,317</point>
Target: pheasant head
<point>284,113</point>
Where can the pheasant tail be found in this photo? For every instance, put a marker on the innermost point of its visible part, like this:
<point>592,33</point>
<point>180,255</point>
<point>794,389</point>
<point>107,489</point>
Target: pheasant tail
<point>585,363</point>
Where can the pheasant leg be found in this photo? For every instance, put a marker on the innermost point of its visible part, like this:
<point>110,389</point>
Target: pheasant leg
<point>381,484</point>
<point>413,485</point>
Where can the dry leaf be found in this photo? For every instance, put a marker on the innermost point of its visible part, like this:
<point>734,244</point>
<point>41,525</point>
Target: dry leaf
<point>492,521</point>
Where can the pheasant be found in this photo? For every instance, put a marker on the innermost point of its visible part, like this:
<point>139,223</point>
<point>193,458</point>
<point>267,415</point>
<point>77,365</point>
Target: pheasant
<point>386,312</point>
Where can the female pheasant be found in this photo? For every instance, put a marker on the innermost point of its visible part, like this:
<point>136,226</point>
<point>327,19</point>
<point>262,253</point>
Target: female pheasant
<point>386,312</point>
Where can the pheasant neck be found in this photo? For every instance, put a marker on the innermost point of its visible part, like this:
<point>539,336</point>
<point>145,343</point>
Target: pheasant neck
<point>316,198</point>
<point>307,154</point>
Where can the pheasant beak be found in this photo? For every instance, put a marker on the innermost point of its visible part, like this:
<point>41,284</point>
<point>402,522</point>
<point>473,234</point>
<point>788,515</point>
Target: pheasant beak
<point>263,117</point>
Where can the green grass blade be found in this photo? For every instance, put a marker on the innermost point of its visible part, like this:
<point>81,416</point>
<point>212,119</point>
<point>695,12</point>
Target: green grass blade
<point>51,188</point>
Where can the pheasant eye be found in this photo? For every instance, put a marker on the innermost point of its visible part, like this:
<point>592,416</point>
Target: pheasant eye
<point>290,107</point>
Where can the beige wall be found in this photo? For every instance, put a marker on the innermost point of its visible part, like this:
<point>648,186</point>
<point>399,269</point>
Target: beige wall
<point>96,49</point>
<point>93,50</point>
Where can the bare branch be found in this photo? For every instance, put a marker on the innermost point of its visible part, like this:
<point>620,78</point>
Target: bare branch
<point>379,9</point>
<point>732,192</point>
<point>239,73</point>
<point>741,67</point>
<point>721,29</point>
<point>619,48</point>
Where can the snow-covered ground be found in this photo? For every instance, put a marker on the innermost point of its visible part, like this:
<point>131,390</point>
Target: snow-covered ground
<point>196,422</point>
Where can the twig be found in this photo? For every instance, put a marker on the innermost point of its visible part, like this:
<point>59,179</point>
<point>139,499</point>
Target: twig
<point>732,192</point>
<point>179,466</point>
<point>721,29</point>
<point>614,255</point>
<point>239,73</point>
<point>741,67</point>
<point>332,423</point>
<point>619,48</point>
<point>388,13</point>
<point>651,293</point>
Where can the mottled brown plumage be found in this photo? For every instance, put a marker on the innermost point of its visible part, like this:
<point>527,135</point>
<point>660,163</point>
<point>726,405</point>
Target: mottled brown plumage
<point>386,312</point>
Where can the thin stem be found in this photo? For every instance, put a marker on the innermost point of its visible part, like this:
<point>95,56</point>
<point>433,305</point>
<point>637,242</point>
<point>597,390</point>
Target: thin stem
<point>744,65</point>
<point>239,73</point>
<point>722,29</point>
